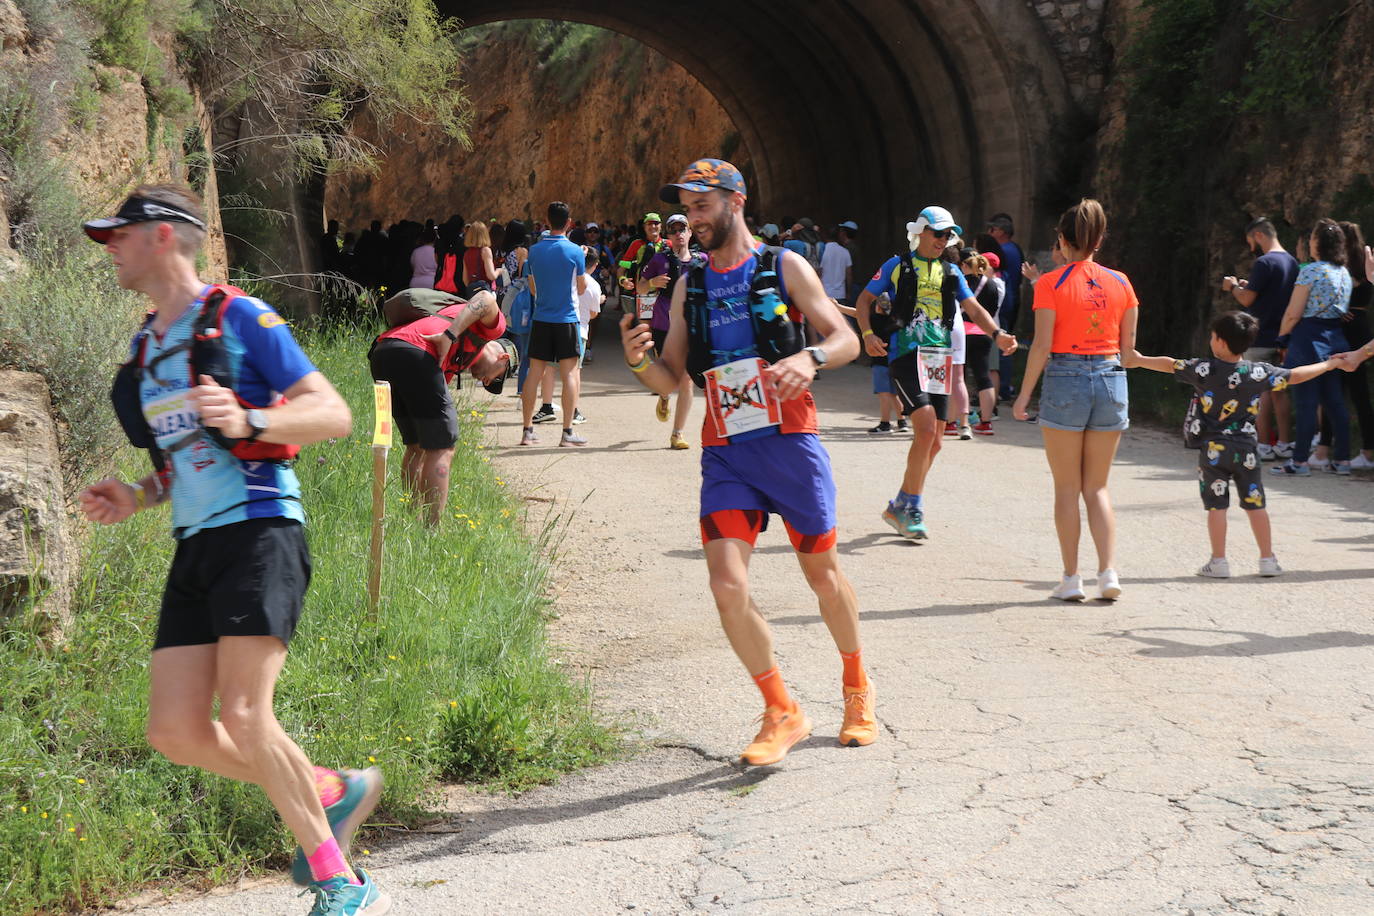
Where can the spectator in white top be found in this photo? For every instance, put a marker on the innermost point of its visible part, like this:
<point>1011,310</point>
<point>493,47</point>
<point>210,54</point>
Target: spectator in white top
<point>588,303</point>
<point>837,266</point>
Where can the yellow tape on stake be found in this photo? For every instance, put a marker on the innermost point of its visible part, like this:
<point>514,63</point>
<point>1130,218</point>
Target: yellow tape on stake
<point>381,431</point>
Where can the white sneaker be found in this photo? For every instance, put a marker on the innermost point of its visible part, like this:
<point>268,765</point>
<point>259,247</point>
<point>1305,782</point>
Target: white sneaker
<point>1283,450</point>
<point>1108,585</point>
<point>1269,566</point>
<point>1266,452</point>
<point>1319,464</point>
<point>1216,568</point>
<point>1361,463</point>
<point>1070,589</point>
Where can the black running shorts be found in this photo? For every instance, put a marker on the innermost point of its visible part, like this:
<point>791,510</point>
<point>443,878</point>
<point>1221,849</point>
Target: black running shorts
<point>906,385</point>
<point>244,579</point>
<point>554,342</point>
<point>421,405</point>
<point>660,338</point>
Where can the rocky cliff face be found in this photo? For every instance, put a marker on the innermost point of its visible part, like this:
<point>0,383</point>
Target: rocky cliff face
<point>601,133</point>
<point>1274,122</point>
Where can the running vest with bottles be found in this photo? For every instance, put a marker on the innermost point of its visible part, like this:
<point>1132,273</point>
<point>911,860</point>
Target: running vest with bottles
<point>905,311</point>
<point>740,313</point>
<point>215,480</point>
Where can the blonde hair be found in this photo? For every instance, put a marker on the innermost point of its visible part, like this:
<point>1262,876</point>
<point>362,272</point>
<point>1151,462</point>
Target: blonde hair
<point>979,264</point>
<point>477,235</point>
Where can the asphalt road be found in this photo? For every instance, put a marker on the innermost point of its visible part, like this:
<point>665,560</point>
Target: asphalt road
<point>1196,747</point>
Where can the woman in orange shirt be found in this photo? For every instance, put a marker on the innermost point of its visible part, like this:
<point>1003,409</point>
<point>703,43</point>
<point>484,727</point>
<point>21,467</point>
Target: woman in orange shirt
<point>1085,317</point>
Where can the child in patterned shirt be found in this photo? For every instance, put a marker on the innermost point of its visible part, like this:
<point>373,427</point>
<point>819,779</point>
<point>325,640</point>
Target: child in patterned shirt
<point>1229,388</point>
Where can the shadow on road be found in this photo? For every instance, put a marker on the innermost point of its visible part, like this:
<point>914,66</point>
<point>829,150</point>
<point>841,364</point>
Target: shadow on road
<point>1250,644</point>
<point>934,610</point>
<point>718,779</point>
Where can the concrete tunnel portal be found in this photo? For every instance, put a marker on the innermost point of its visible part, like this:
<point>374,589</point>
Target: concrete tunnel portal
<point>862,109</point>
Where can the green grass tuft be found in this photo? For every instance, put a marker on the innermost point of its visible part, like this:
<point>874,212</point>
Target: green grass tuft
<point>453,680</point>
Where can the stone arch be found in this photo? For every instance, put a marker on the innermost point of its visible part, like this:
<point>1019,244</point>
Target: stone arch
<point>863,109</point>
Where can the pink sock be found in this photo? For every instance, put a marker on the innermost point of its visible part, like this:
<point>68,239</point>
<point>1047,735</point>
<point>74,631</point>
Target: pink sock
<point>329,785</point>
<point>328,862</point>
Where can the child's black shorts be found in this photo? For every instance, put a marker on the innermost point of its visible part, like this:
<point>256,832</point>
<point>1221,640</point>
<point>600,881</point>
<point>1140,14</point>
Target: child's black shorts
<point>1223,460</point>
<point>244,579</point>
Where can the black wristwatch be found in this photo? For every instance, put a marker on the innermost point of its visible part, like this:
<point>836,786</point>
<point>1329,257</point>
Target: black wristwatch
<point>257,423</point>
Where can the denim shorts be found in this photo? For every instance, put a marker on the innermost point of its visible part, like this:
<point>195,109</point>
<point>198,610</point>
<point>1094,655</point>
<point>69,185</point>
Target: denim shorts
<point>882,380</point>
<point>1083,392</point>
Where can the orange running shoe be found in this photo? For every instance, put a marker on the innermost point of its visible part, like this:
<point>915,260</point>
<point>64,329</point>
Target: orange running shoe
<point>781,729</point>
<point>860,728</point>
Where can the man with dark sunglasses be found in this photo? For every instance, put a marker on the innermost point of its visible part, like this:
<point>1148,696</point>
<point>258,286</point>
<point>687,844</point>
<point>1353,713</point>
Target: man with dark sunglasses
<point>927,292</point>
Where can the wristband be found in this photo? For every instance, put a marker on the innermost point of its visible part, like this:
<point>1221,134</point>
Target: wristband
<point>867,332</point>
<point>140,497</point>
<point>643,364</point>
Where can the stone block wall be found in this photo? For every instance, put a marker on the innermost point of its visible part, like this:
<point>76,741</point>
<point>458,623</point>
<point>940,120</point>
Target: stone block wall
<point>1075,29</point>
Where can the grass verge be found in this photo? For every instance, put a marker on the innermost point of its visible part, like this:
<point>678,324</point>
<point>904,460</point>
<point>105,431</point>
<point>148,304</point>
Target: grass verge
<point>453,681</point>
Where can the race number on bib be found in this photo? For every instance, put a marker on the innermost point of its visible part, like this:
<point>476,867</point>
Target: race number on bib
<point>738,400</point>
<point>646,306</point>
<point>936,369</point>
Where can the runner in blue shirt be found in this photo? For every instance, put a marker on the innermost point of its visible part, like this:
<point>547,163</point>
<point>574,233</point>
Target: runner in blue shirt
<point>241,567</point>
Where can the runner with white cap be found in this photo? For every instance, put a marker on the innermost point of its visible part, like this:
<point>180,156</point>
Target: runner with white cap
<point>927,296</point>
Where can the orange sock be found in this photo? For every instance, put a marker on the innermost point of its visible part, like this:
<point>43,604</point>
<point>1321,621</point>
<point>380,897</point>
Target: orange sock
<point>773,689</point>
<point>854,675</point>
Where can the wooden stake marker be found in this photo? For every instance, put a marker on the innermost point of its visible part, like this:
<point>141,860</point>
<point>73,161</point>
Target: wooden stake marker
<point>381,445</point>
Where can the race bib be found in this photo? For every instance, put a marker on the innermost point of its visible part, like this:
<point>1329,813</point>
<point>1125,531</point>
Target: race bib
<point>171,416</point>
<point>935,369</point>
<point>738,400</point>
<point>646,306</point>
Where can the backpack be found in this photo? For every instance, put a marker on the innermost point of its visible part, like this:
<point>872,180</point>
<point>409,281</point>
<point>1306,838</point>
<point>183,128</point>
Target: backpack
<point>776,335</point>
<point>205,355</point>
<point>413,304</point>
<point>448,276</point>
<point>814,250</point>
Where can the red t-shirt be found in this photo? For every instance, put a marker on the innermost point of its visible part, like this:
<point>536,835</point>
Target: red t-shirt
<point>463,351</point>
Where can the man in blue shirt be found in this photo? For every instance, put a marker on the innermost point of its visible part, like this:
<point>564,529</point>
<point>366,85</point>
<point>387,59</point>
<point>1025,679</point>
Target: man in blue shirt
<point>1001,228</point>
<point>557,272</point>
<point>238,578</point>
<point>1265,295</point>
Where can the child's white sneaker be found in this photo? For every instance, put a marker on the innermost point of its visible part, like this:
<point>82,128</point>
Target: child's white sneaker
<point>1216,568</point>
<point>1269,566</point>
<point>1070,589</point>
<point>1319,464</point>
<point>1283,450</point>
<point>1361,463</point>
<point>1108,585</point>
<point>1266,452</point>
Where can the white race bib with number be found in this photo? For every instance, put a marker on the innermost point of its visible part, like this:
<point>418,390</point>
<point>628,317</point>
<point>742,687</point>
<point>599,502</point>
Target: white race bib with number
<point>737,398</point>
<point>936,369</point>
<point>646,306</point>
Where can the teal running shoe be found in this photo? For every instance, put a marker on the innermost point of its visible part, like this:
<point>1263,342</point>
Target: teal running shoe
<point>362,790</point>
<point>909,523</point>
<point>337,897</point>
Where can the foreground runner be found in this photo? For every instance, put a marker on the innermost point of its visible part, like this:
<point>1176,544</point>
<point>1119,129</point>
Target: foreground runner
<point>731,330</point>
<point>241,567</point>
<point>927,295</point>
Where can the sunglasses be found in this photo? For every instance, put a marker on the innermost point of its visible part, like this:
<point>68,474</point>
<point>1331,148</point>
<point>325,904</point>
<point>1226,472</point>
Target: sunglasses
<point>942,234</point>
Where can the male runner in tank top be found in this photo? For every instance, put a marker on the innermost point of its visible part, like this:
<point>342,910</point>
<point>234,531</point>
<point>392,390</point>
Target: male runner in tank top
<point>761,453</point>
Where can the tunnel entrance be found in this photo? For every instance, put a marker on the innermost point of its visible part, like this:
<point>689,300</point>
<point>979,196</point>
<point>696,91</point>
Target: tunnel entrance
<point>861,110</point>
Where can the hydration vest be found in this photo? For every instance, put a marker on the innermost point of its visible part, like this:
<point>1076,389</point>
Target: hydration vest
<point>205,355</point>
<point>776,335</point>
<point>904,300</point>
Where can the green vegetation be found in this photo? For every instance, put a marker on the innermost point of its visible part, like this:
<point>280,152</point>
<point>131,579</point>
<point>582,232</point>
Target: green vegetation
<point>453,680</point>
<point>1197,68</point>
